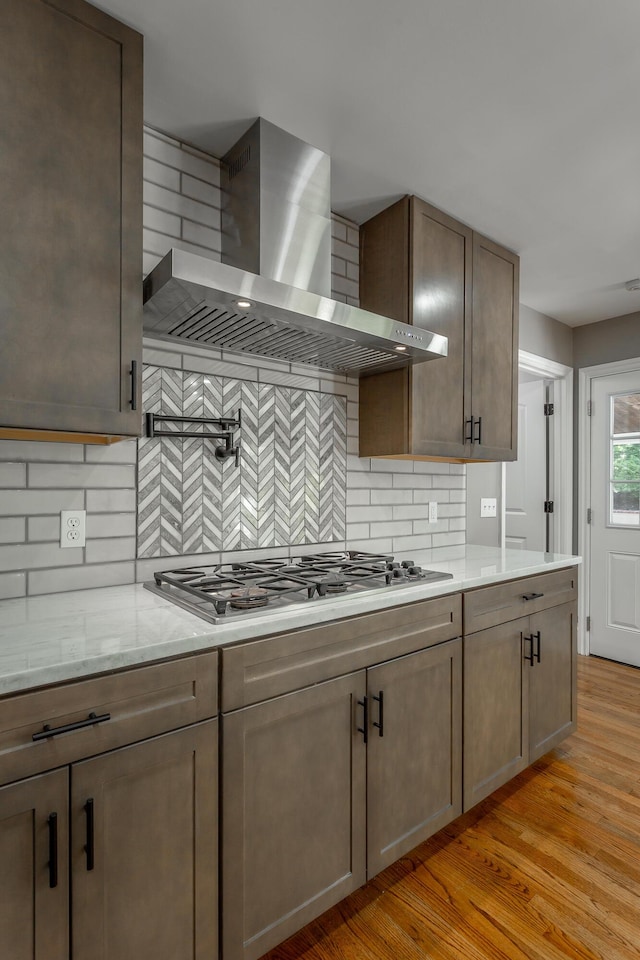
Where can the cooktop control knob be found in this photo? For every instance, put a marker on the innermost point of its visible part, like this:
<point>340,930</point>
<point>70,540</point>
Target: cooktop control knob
<point>407,563</point>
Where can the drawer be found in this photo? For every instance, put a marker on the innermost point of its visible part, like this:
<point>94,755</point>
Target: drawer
<point>139,703</point>
<point>488,606</point>
<point>261,669</point>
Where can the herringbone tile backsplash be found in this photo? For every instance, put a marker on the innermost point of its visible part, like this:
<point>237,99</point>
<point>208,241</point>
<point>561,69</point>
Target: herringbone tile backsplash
<point>290,485</point>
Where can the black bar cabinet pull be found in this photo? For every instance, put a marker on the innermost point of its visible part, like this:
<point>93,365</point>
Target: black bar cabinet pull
<point>52,821</point>
<point>48,731</point>
<point>364,730</point>
<point>468,430</point>
<point>536,637</point>
<point>89,848</point>
<point>134,385</point>
<point>532,596</point>
<point>380,724</point>
<point>478,438</point>
<point>529,656</point>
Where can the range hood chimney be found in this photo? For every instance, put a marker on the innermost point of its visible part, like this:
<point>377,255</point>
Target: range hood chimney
<point>270,295</point>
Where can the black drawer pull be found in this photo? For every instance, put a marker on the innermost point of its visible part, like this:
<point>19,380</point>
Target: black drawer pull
<point>529,656</point>
<point>536,637</point>
<point>532,596</point>
<point>90,848</point>
<point>468,426</point>
<point>364,730</point>
<point>52,822</point>
<point>478,438</point>
<point>380,724</point>
<point>48,731</point>
<point>133,402</point>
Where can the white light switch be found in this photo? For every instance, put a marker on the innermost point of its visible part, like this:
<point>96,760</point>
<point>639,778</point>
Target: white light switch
<point>488,507</point>
<point>433,511</point>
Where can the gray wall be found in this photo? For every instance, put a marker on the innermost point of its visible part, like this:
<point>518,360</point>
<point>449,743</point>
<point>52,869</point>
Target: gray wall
<point>545,336</point>
<point>483,480</point>
<point>606,341</point>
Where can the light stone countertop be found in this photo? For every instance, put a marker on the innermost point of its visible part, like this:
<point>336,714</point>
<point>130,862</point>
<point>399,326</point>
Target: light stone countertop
<point>58,637</point>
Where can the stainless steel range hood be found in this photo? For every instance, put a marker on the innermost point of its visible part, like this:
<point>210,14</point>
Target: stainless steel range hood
<point>271,294</point>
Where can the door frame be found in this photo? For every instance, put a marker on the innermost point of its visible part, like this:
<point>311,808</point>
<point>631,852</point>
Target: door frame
<point>586,375</point>
<point>562,446</point>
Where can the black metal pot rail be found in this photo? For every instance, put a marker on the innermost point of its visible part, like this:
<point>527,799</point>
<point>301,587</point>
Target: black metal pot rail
<point>226,427</point>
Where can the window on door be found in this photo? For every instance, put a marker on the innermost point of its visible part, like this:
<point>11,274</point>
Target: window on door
<point>624,461</point>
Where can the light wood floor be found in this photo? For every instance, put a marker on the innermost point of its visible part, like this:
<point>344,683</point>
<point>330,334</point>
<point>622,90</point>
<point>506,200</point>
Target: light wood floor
<point>547,868</point>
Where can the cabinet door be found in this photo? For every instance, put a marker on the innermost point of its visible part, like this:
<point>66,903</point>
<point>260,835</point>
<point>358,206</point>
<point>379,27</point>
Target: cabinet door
<point>441,278</point>
<point>414,751</point>
<point>552,681</point>
<point>496,709</point>
<point>144,849</point>
<point>34,880</point>
<point>293,812</point>
<point>494,351</point>
<point>70,200</point>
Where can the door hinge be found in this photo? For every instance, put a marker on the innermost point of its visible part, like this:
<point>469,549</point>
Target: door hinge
<point>548,506</point>
<point>588,624</point>
<point>589,515</point>
<point>589,408</point>
<point>548,410</point>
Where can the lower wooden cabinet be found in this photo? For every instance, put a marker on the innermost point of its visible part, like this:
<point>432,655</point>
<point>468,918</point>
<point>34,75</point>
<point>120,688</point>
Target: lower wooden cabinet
<point>135,832</point>
<point>326,786</point>
<point>34,877</point>
<point>519,696</point>
<point>414,758</point>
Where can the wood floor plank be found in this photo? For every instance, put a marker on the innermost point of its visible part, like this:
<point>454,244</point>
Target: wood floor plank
<point>547,868</point>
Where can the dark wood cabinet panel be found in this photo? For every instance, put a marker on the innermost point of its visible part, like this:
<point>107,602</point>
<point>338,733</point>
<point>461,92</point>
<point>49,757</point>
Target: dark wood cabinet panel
<point>465,287</point>
<point>34,901</point>
<point>496,712</point>
<point>553,679</point>
<point>151,891</point>
<point>494,351</point>
<point>415,752</point>
<point>71,202</point>
<point>293,812</point>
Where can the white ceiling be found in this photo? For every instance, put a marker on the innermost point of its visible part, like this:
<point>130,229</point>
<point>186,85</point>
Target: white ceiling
<point>519,117</point>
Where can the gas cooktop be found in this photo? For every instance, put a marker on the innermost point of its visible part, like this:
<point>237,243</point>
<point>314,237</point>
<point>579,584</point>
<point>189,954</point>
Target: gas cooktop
<point>222,591</point>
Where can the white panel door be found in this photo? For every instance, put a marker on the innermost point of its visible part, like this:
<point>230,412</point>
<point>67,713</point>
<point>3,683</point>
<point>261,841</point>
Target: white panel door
<point>615,518</point>
<point>526,477</point>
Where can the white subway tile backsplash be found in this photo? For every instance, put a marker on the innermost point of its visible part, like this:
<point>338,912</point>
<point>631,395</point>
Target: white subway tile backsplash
<point>359,498</point>
<point>338,229</point>
<point>395,529</point>
<point>161,174</point>
<point>357,531</point>
<point>289,380</point>
<point>32,502</point>
<point>353,237</point>
<point>28,556</point>
<point>181,206</point>
<point>392,496</point>
<point>13,475</point>
<point>41,529</point>
<point>12,585</point>
<point>161,222</point>
<point>111,501</point>
<point>344,250</point>
<point>101,525</point>
<point>414,542</point>
<point>12,529</point>
<point>200,190</point>
<point>448,539</point>
<point>160,135</point>
<point>203,236</point>
<point>107,550</point>
<point>371,513</point>
<point>126,451</point>
<point>28,450</point>
<point>84,475</point>
<point>410,481</point>
<point>80,578</point>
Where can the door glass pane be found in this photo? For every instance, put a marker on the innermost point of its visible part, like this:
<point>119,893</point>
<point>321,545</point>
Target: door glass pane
<point>624,463</point>
<point>626,414</point>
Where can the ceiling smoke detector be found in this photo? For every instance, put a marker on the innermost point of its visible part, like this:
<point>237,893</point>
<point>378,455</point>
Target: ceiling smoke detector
<point>632,285</point>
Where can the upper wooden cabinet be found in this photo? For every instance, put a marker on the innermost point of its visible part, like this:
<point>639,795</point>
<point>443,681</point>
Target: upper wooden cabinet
<point>420,266</point>
<point>71,206</point>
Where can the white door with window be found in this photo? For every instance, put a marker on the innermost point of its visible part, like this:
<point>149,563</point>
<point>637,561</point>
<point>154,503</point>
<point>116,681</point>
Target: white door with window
<point>615,518</point>
<point>526,477</point>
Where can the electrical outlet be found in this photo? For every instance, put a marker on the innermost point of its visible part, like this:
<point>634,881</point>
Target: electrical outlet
<point>73,528</point>
<point>433,511</point>
<point>488,507</point>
